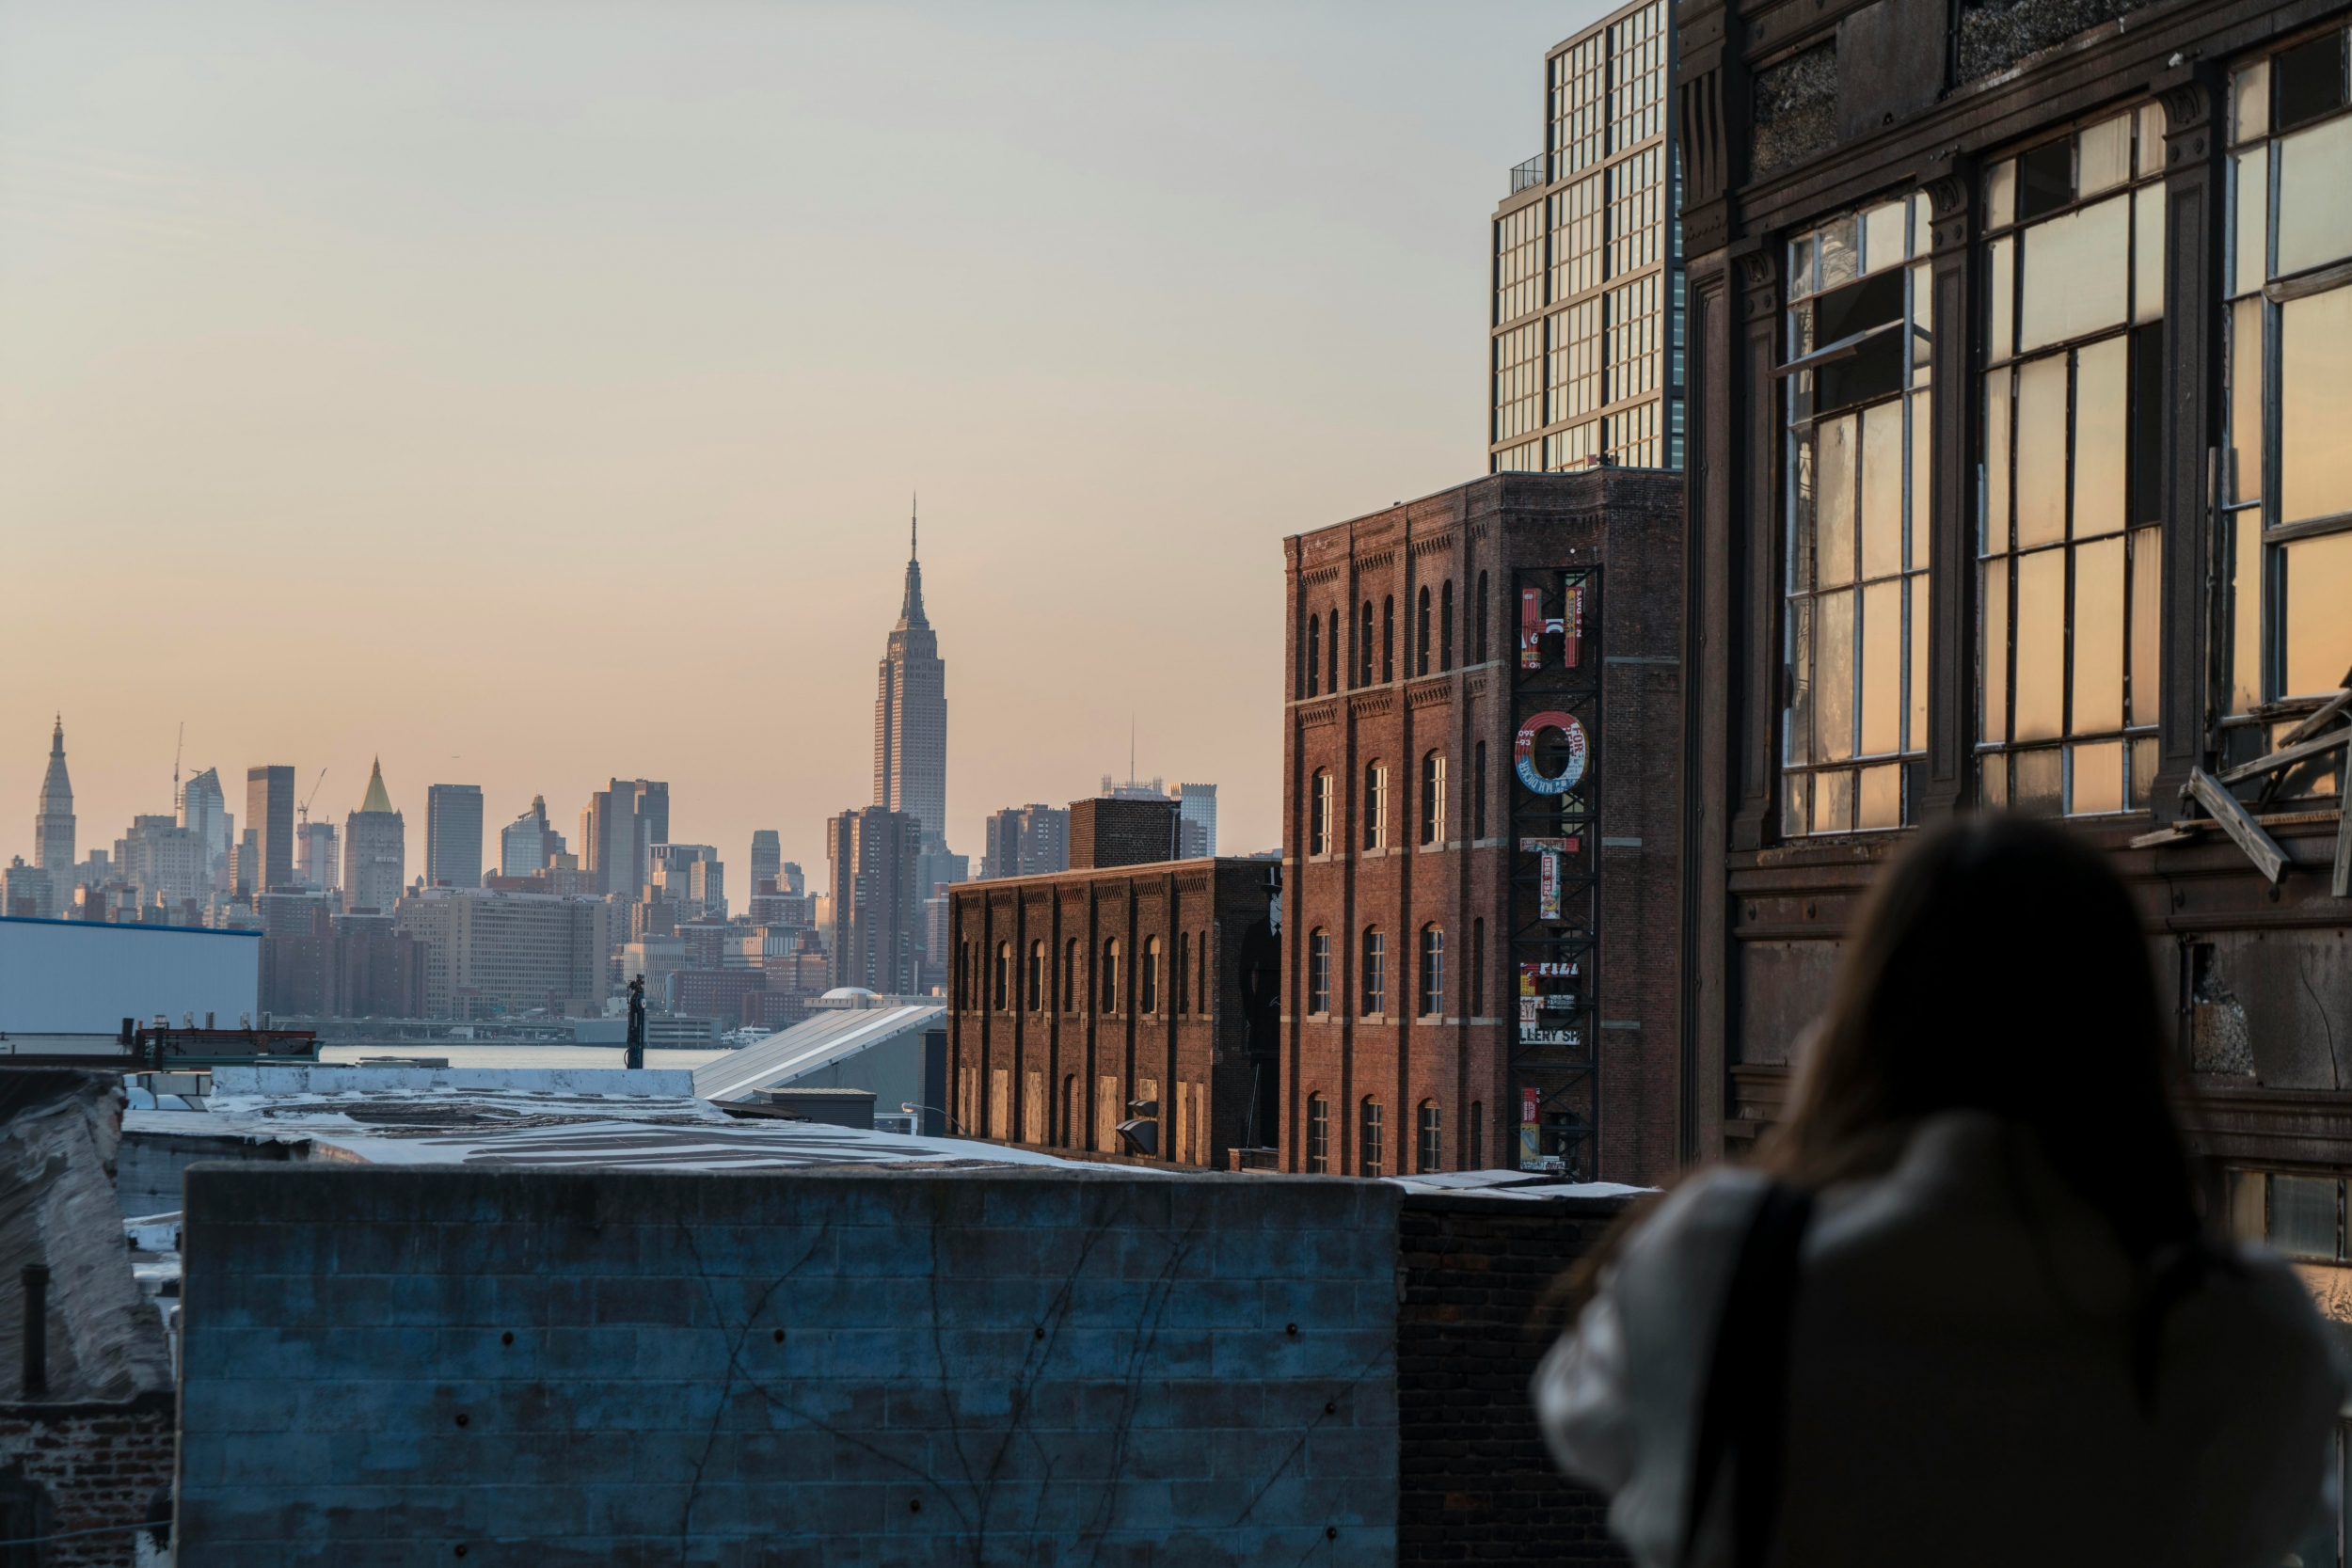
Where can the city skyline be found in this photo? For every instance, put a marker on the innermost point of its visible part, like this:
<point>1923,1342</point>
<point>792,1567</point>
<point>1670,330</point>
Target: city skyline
<point>336,393</point>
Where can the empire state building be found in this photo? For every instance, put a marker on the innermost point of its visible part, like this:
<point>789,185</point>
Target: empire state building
<point>911,718</point>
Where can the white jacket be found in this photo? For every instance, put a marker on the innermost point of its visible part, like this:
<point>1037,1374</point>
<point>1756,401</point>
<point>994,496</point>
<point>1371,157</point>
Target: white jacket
<point>1960,1387</point>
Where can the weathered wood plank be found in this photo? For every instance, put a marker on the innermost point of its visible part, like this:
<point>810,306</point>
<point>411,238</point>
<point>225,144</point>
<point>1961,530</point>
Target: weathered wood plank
<point>2234,820</point>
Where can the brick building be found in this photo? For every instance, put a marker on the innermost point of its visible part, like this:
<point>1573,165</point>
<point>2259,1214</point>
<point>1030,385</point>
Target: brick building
<point>1131,994</point>
<point>1481,783</point>
<point>364,976</point>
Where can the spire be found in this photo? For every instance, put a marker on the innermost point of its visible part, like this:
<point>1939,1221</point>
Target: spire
<point>376,800</point>
<point>910,608</point>
<point>56,739</point>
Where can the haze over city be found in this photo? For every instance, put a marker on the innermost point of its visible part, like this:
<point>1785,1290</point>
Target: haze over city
<point>533,395</point>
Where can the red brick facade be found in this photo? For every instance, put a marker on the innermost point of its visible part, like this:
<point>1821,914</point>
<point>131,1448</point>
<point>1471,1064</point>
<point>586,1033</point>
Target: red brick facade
<point>99,1467</point>
<point>1441,1082</point>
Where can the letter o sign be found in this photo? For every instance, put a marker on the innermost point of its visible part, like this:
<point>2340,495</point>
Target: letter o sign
<point>1523,753</point>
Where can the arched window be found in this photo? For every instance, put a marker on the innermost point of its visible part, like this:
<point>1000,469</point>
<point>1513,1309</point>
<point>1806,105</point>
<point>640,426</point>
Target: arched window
<point>1478,791</point>
<point>1363,648</point>
<point>1433,797</point>
<point>1430,1155</point>
<point>1331,655</point>
<point>1314,652</point>
<point>1110,976</point>
<point>1375,804</point>
<point>1319,972</point>
<point>1432,971</point>
<point>1478,624</point>
<point>1445,625</point>
<point>1150,1002</point>
<point>1184,973</point>
<point>1478,1135</point>
<point>1420,637</point>
<point>1319,814</point>
<point>1375,971</point>
<point>1208,992</point>
<point>1037,976</point>
<point>1388,638</point>
<point>1318,1135</point>
<point>1070,975</point>
<point>1478,969</point>
<point>1368,1148</point>
<point>1004,963</point>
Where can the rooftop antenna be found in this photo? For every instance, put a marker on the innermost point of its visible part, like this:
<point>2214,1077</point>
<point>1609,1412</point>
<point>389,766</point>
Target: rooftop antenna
<point>913,511</point>
<point>176,747</point>
<point>303,810</point>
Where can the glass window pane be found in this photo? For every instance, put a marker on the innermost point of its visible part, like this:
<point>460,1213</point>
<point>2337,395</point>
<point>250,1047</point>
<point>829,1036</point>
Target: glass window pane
<point>1883,668</point>
<point>2041,645</point>
<point>1993,780</point>
<point>1833,682</point>
<point>2303,1215</point>
<point>2000,339</point>
<point>1882,239</point>
<point>2148,254</point>
<point>1796,804</point>
<point>1804,539</point>
<point>1996,400</point>
<point>2000,194</point>
<point>2246,612</point>
<point>2099,637</point>
<point>1922,323</point>
<point>1882,490</point>
<point>1992,653</point>
<point>2141,756</point>
<point>2103,156</point>
<point>1832,802</point>
<point>2098,782</point>
<point>2319,613</point>
<point>1801,266</point>
<point>2244,482</point>
<point>2253,205</point>
<point>2249,106</point>
<point>2041,450</point>
<point>2077,273</point>
<point>2314,219</point>
<point>2102,375</point>
<point>2307,81</point>
<point>2045,179</point>
<point>1916,661</point>
<point>1834,502</point>
<point>1797,743</point>
<point>2147,620</point>
<point>1922,478</point>
<point>1880,798</point>
<point>2150,137</point>
<point>1839,262</point>
<point>2315,405</point>
<point>2036,779</point>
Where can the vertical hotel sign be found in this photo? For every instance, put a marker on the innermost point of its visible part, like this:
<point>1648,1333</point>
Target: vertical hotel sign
<point>1554,909</point>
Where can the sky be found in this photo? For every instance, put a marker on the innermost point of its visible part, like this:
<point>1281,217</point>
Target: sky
<point>530,394</point>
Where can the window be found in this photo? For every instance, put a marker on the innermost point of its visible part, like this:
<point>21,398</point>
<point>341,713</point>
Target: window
<point>1070,975</point>
<point>1445,625</point>
<point>1478,791</point>
<point>1319,814</point>
<point>1573,342</point>
<point>2300,1217</point>
<point>1477,1135</point>
<point>1314,655</point>
<point>1208,992</point>
<point>1478,969</point>
<point>1432,971</point>
<point>1318,1135</point>
<point>1375,973</point>
<point>1037,977</point>
<point>1429,1154</point>
<point>1149,1005</point>
<point>2068,549</point>
<point>1332,654</point>
<point>1478,624</point>
<point>1420,637</point>
<point>1004,963</point>
<point>1578,106</point>
<point>1433,797</point>
<point>1184,973</point>
<point>1519,383</point>
<point>1110,976</point>
<point>1857,519</point>
<point>1363,647</point>
<point>1579,238</point>
<point>1319,972</point>
<point>1368,1137</point>
<point>1375,804</point>
<point>1519,263</point>
<point>1388,638</point>
<point>2288,475</point>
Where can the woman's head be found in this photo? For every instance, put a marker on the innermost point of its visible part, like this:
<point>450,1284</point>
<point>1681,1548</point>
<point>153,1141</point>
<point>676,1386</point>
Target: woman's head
<point>1998,965</point>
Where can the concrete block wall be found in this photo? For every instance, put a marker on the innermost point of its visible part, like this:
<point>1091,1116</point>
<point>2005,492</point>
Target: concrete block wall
<point>418,1365</point>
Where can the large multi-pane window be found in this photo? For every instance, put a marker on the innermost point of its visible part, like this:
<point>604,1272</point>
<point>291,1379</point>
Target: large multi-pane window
<point>1319,972</point>
<point>2287,478</point>
<point>1519,263</point>
<point>1519,381</point>
<point>1637,77</point>
<point>1579,234</point>
<point>1573,339</point>
<point>2068,535</point>
<point>1375,971</point>
<point>1635,316</point>
<point>1637,195</point>
<point>1580,107</point>
<point>1856,375</point>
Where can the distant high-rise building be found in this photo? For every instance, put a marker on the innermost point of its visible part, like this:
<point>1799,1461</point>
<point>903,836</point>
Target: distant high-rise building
<point>767,856</point>
<point>691,877</point>
<point>162,860</point>
<point>618,829</point>
<point>52,827</point>
<point>29,892</point>
<point>244,858</point>
<point>791,879</point>
<point>269,812</point>
<point>910,717</point>
<point>376,850</point>
<point>528,845</point>
<point>1196,821</point>
<point>1024,841</point>
<point>452,835</point>
<point>874,909</point>
<point>204,812</point>
<point>316,855</point>
<point>497,952</point>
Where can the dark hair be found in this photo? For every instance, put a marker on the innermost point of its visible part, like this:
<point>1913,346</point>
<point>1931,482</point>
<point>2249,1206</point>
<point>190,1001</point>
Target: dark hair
<point>1998,965</point>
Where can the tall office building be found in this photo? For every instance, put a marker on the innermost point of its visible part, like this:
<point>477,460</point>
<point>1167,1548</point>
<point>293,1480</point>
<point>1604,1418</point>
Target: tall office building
<point>1196,821</point>
<point>269,812</point>
<point>791,879</point>
<point>767,856</point>
<point>452,835</point>
<point>52,827</point>
<point>163,861</point>
<point>910,717</point>
<point>204,811</point>
<point>1024,841</point>
<point>488,953</point>
<point>1587,323</point>
<point>618,829</point>
<point>376,850</point>
<point>316,855</point>
<point>875,910</point>
<point>528,845</point>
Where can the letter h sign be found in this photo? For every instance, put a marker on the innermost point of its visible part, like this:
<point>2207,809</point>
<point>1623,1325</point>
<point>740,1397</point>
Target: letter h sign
<point>1534,626</point>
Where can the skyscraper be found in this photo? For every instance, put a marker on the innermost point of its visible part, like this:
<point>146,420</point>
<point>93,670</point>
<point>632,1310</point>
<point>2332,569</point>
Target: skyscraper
<point>269,812</point>
<point>1024,841</point>
<point>910,717</point>
<point>528,845</point>
<point>52,827</point>
<point>1587,325</point>
<point>204,811</point>
<point>376,850</point>
<point>875,907</point>
<point>618,829</point>
<point>1196,821</point>
<point>316,855</point>
<point>452,835</point>
<point>766,855</point>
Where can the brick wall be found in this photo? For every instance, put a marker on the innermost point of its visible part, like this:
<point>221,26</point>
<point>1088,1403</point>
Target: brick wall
<point>1475,1485</point>
<point>101,1464</point>
<point>909,1366</point>
<point>1107,832</point>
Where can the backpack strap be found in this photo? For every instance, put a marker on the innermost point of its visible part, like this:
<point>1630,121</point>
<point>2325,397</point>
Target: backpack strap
<point>1744,1409</point>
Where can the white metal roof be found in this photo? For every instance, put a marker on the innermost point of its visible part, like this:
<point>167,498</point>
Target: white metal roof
<point>818,1042</point>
